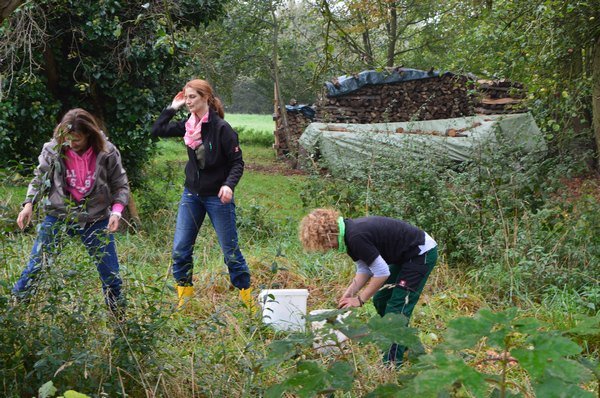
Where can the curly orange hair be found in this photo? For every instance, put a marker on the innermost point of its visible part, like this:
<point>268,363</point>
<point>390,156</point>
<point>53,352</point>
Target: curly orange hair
<point>319,230</point>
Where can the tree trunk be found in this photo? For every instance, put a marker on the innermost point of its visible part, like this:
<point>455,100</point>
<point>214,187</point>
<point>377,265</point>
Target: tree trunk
<point>392,35</point>
<point>596,98</point>
<point>7,7</point>
<point>368,58</point>
<point>279,99</point>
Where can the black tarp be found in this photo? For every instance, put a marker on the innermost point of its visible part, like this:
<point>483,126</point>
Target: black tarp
<point>349,83</point>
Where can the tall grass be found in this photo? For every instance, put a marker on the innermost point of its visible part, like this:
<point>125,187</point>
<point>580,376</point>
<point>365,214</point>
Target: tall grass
<point>216,347</point>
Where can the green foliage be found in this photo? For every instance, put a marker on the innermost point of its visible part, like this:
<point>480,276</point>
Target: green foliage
<point>543,353</point>
<point>71,338</point>
<point>236,53</point>
<point>311,379</point>
<point>118,60</point>
<point>250,136</point>
<point>48,390</point>
<point>27,121</point>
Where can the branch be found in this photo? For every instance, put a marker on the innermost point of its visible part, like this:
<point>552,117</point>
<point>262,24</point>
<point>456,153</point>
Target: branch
<point>7,7</point>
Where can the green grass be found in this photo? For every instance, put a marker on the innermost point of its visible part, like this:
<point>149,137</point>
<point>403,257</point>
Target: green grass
<point>172,149</point>
<point>279,195</point>
<point>179,352</point>
<point>255,122</point>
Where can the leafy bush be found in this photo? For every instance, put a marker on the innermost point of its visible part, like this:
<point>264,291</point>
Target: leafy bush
<point>250,136</point>
<point>477,355</point>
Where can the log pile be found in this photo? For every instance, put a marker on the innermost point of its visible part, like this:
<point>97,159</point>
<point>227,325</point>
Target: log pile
<point>297,122</point>
<point>444,97</point>
<point>425,99</point>
<point>499,97</point>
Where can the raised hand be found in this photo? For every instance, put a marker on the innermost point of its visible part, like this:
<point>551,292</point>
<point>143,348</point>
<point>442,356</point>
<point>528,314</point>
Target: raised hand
<point>178,100</point>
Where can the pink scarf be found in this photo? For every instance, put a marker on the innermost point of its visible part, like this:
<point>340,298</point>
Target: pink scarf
<point>193,126</point>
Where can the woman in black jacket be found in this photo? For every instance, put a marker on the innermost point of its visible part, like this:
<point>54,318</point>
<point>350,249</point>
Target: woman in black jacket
<point>214,168</point>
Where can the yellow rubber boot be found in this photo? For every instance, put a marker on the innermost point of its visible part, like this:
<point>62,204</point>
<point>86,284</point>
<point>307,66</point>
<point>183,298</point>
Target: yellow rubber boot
<point>185,293</point>
<point>247,300</point>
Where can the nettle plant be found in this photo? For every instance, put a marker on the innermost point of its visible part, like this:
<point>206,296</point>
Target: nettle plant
<point>492,354</point>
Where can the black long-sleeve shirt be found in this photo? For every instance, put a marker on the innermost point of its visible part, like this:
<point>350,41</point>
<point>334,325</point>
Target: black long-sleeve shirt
<point>394,240</point>
<point>223,163</point>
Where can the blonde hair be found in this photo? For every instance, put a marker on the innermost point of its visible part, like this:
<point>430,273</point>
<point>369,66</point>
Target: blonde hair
<point>79,120</point>
<point>319,230</point>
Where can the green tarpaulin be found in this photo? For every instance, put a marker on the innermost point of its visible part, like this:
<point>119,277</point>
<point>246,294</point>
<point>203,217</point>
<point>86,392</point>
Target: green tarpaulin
<point>346,147</point>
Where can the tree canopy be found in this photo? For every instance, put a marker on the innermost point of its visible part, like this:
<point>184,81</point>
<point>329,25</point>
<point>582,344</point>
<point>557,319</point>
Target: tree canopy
<point>118,59</point>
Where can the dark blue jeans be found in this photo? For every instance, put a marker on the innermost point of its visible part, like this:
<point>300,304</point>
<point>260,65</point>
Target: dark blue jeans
<point>99,243</point>
<point>190,216</point>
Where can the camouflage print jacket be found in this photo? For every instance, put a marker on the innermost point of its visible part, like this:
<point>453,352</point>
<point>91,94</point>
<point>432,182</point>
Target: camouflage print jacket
<point>49,186</point>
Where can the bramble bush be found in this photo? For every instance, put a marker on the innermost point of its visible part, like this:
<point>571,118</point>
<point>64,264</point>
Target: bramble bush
<point>454,368</point>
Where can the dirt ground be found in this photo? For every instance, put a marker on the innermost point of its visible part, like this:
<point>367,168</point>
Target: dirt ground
<point>278,167</point>
<point>586,185</point>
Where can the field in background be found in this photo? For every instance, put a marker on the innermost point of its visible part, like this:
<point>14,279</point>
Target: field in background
<point>255,122</point>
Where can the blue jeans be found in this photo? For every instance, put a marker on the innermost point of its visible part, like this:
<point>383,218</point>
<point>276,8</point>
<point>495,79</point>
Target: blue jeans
<point>190,216</point>
<point>100,245</point>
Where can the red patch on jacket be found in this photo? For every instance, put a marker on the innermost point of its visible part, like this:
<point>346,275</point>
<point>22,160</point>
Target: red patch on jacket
<point>236,149</point>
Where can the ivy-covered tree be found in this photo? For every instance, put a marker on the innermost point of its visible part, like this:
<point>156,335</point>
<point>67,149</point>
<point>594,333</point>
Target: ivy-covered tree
<point>118,59</point>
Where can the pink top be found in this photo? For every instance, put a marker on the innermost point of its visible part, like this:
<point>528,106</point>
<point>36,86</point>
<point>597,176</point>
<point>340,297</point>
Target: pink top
<point>80,175</point>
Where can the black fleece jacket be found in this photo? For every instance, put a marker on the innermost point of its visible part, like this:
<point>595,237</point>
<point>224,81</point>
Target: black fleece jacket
<point>223,158</point>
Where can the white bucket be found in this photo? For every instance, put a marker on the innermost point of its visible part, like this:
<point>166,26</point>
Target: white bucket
<point>325,340</point>
<point>284,309</point>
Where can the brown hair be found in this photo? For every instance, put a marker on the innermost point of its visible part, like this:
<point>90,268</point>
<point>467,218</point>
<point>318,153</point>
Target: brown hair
<point>203,88</point>
<point>319,230</point>
<point>79,120</point>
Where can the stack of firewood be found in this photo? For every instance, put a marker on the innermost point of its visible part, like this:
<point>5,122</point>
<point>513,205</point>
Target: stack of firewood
<point>425,99</point>
<point>499,97</point>
<point>444,97</point>
<point>297,122</point>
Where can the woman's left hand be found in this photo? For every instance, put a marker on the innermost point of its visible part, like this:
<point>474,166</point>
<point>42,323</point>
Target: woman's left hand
<point>113,223</point>
<point>225,194</point>
<point>349,302</point>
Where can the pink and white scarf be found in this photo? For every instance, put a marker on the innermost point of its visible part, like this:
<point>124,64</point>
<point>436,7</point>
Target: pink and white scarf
<point>193,126</point>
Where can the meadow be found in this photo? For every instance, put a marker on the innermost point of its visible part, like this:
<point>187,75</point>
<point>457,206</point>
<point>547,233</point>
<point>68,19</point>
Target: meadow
<point>474,332</point>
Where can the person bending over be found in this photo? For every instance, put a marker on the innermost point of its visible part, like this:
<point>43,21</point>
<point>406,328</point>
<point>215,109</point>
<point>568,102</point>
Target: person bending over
<point>393,261</point>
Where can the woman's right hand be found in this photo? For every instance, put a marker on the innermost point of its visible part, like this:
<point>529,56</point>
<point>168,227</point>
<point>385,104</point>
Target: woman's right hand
<point>25,215</point>
<point>178,100</point>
